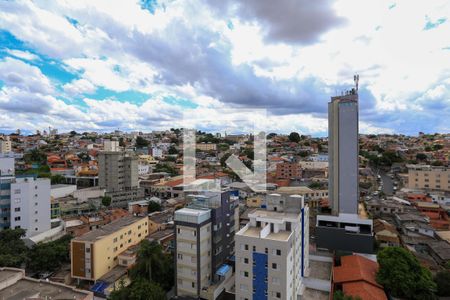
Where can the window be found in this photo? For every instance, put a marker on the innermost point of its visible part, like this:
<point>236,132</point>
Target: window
<point>246,274</point>
<point>194,232</point>
<point>17,219</point>
<point>180,256</point>
<point>266,250</point>
<point>246,247</point>
<point>114,240</point>
<point>245,260</point>
<point>278,252</point>
<point>178,230</point>
<point>278,295</point>
<point>193,284</point>
<point>274,266</point>
<point>254,248</point>
<point>17,209</point>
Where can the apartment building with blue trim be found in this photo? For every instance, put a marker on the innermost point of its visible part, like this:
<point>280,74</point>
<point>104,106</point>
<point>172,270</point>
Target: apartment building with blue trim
<point>272,250</point>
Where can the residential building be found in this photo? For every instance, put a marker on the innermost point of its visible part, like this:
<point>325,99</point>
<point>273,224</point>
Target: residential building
<point>30,205</point>
<point>15,285</point>
<point>355,276</point>
<point>385,234</point>
<point>7,176</point>
<point>272,250</point>
<point>118,175</point>
<point>204,237</point>
<point>288,170</point>
<point>428,177</point>
<point>117,171</point>
<point>193,250</point>
<point>157,152</point>
<point>5,145</point>
<point>111,145</point>
<point>206,146</point>
<point>344,229</point>
<point>96,253</point>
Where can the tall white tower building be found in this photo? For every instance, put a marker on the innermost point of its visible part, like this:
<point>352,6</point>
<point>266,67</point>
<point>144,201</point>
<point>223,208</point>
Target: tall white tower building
<point>344,229</point>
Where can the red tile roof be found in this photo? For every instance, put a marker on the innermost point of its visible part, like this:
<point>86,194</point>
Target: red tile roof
<point>357,276</point>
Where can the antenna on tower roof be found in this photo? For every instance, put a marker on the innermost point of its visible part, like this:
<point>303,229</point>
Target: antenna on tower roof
<point>356,79</point>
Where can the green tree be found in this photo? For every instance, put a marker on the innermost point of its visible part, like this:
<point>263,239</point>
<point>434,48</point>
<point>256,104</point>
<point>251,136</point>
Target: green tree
<point>421,156</point>
<point>141,142</point>
<point>13,252</point>
<point>437,147</point>
<point>153,206</point>
<point>315,185</point>
<point>139,289</point>
<point>106,201</point>
<point>403,276</point>
<point>58,178</point>
<point>442,280</point>
<point>223,147</point>
<point>154,265</point>
<point>294,137</point>
<point>173,150</point>
<point>437,163</point>
<point>48,257</point>
<point>271,135</point>
<point>339,295</point>
<point>224,158</point>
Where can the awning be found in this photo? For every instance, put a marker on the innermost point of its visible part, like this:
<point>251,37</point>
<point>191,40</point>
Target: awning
<point>223,270</point>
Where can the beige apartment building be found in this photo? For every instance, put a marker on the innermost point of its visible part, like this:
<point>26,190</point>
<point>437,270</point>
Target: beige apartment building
<point>5,145</point>
<point>428,177</point>
<point>96,253</point>
<point>206,147</point>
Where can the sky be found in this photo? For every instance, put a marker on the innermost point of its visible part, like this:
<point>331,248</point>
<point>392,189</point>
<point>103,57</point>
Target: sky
<point>151,65</point>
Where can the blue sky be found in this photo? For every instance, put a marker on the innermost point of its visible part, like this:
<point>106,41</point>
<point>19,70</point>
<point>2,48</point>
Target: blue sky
<point>150,65</point>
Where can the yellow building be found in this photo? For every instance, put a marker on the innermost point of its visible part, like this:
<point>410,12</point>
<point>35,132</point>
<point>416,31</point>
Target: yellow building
<point>96,252</point>
<point>206,147</point>
<point>428,177</point>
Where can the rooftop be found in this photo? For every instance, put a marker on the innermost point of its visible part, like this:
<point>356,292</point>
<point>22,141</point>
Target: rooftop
<point>108,228</point>
<point>18,287</point>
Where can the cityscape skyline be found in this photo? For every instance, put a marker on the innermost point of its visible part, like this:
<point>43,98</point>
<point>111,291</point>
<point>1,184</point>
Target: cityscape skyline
<point>89,72</point>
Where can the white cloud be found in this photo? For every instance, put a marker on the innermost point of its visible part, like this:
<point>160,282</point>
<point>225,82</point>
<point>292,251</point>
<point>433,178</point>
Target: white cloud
<point>78,87</point>
<point>22,54</point>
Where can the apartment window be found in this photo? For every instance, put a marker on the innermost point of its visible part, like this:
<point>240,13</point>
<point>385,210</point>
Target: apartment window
<point>193,284</point>
<point>17,219</point>
<point>194,232</point>
<point>180,256</point>
<point>115,240</point>
<point>16,192</point>
<point>278,252</point>
<point>245,260</point>
<point>36,229</point>
<point>246,247</point>
<point>274,266</point>
<point>278,295</point>
<point>254,248</point>
<point>266,250</point>
<point>17,209</point>
<point>178,230</point>
<point>245,274</point>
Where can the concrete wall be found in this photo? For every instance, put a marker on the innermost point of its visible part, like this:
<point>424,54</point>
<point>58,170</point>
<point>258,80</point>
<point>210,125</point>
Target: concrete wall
<point>339,239</point>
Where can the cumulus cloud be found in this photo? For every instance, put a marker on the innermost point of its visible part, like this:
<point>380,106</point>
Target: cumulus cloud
<point>289,21</point>
<point>16,73</point>
<point>288,57</point>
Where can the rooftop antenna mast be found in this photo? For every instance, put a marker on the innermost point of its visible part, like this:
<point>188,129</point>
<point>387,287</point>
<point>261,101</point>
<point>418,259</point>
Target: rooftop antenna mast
<point>356,79</point>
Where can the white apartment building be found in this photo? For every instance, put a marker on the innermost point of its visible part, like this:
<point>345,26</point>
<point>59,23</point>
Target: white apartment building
<point>5,145</point>
<point>272,251</point>
<point>6,177</point>
<point>157,152</point>
<point>193,250</point>
<point>30,205</point>
<point>109,145</point>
